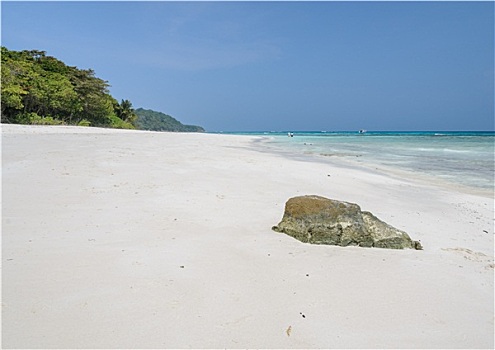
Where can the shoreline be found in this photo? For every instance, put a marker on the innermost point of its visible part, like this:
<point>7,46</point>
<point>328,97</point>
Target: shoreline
<point>394,172</point>
<point>136,239</point>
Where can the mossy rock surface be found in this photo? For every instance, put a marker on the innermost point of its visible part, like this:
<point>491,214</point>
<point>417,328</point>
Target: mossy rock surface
<point>319,220</point>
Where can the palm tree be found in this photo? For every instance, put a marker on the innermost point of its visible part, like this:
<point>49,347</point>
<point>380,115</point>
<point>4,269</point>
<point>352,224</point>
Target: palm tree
<point>126,112</point>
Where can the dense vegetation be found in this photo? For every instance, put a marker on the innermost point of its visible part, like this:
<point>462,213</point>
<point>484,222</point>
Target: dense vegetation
<point>152,120</point>
<point>40,89</point>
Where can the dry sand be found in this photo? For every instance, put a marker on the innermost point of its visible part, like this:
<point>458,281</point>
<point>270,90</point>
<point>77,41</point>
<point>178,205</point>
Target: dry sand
<point>126,239</point>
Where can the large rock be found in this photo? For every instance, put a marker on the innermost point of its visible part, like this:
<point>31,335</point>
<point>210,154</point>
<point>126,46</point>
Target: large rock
<point>319,220</point>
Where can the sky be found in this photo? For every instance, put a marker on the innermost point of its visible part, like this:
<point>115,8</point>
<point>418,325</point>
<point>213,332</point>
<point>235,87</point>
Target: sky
<point>272,66</point>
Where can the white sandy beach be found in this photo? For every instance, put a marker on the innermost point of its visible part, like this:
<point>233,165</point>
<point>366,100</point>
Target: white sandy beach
<point>129,239</point>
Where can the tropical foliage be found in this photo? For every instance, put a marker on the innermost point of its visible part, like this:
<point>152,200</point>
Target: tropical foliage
<point>40,89</point>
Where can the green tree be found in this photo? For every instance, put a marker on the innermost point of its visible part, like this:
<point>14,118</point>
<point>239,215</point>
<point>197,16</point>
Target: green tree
<point>12,92</point>
<point>36,88</point>
<point>125,112</point>
<point>95,103</point>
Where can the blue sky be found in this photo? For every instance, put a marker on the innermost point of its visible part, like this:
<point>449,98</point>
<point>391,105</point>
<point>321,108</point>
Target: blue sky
<point>240,66</point>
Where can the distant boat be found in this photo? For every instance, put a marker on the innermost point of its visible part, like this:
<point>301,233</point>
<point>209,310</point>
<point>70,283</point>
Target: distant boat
<point>362,131</point>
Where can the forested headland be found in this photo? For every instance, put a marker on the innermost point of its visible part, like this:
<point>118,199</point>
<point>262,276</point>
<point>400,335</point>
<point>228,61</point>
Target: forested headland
<point>148,119</point>
<point>40,89</point>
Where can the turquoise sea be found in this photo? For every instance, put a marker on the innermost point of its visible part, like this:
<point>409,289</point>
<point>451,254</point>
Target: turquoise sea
<point>463,158</point>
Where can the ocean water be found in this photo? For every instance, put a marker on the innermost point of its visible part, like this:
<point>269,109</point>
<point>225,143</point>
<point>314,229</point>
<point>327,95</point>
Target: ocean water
<point>462,158</point>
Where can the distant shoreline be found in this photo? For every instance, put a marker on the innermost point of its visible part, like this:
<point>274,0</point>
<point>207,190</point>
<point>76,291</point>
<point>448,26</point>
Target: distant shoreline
<point>351,132</point>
